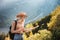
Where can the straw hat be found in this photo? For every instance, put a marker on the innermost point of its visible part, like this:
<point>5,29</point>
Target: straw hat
<point>21,14</point>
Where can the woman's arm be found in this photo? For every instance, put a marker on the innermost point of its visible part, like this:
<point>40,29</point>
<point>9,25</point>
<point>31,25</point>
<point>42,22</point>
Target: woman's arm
<point>29,29</point>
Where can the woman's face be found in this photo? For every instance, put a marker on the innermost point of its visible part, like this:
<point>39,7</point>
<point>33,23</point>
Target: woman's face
<point>18,18</point>
<point>23,17</point>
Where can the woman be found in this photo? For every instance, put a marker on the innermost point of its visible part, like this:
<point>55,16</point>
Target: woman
<point>20,26</point>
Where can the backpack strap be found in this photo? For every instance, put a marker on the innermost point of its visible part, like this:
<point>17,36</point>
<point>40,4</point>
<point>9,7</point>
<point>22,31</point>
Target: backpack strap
<point>15,24</point>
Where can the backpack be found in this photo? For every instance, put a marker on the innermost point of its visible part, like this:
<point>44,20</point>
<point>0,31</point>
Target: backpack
<point>12,34</point>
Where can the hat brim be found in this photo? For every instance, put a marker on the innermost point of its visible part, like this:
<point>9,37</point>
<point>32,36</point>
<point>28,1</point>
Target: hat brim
<point>21,15</point>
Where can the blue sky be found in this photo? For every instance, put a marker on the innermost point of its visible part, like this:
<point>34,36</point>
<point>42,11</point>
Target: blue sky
<point>35,9</point>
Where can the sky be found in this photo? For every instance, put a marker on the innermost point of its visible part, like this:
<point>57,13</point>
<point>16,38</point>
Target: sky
<point>35,9</point>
